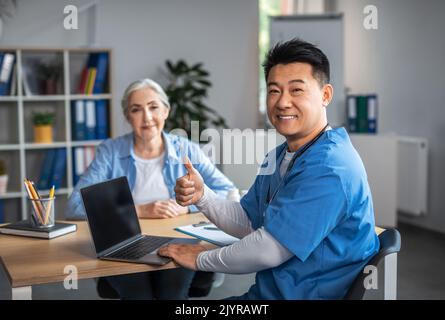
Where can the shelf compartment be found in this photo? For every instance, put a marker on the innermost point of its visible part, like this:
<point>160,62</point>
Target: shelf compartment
<point>36,65</point>
<point>8,88</point>
<point>10,210</point>
<point>9,123</point>
<point>45,165</point>
<point>12,163</point>
<point>59,132</point>
<point>80,65</point>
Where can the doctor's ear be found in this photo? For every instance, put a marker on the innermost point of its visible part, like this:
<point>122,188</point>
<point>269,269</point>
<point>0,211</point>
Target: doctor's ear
<point>327,94</point>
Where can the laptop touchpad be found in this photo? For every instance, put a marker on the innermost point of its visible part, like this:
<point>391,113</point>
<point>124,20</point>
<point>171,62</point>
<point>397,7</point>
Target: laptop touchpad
<point>153,258</point>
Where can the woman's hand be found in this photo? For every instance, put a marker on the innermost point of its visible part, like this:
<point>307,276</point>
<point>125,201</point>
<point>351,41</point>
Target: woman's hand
<point>160,210</point>
<point>189,188</point>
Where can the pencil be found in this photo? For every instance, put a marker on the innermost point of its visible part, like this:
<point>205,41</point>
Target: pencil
<point>36,196</point>
<point>48,209</point>
<point>36,209</point>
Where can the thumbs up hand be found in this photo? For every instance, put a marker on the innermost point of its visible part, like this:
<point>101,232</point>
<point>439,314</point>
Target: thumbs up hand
<point>189,188</point>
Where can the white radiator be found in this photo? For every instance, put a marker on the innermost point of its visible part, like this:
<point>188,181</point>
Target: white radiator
<point>412,175</point>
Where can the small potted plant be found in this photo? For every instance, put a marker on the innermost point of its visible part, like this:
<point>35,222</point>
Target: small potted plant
<point>43,126</point>
<point>3,177</point>
<point>49,74</point>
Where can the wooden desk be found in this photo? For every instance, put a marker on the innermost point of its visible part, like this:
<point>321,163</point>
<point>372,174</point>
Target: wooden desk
<point>30,261</point>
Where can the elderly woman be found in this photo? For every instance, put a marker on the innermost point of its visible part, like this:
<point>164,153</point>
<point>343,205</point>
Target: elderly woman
<point>151,160</point>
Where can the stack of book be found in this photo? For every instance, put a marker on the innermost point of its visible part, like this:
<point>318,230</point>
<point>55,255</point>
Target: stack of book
<point>93,79</point>
<point>26,228</point>
<point>362,113</point>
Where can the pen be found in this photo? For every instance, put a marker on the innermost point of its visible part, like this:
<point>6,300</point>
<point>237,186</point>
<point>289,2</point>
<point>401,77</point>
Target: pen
<point>211,228</point>
<point>202,223</point>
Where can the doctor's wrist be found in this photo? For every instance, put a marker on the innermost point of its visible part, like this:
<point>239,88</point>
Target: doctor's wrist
<point>204,201</point>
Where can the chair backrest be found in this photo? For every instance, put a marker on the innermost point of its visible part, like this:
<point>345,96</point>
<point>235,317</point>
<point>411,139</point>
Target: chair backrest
<point>389,243</point>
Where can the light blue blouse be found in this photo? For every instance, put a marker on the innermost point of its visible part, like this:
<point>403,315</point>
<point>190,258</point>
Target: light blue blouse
<point>114,158</point>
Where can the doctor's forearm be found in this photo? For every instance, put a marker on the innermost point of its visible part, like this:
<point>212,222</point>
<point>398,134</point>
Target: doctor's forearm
<point>229,216</point>
<point>257,251</point>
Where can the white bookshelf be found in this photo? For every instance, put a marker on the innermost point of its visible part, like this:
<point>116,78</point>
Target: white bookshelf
<point>23,157</point>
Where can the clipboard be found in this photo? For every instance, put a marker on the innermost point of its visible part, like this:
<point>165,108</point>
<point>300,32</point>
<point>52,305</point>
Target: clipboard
<point>208,232</point>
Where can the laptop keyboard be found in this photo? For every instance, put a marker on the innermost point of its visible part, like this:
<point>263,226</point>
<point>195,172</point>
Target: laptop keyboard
<point>140,248</point>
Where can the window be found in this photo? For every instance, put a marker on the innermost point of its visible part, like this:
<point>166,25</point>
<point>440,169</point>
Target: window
<point>268,8</point>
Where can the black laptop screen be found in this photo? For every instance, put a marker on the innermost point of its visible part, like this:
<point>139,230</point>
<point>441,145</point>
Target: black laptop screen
<point>111,213</point>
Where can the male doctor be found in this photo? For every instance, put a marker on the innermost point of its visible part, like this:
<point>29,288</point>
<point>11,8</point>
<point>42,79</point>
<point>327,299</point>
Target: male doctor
<point>307,230</point>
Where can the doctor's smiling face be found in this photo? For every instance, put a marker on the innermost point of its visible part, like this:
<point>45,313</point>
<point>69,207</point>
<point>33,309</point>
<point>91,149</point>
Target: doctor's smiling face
<point>298,91</point>
<point>296,105</point>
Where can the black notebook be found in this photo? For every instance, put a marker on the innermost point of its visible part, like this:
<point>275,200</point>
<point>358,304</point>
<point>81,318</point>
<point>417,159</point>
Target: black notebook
<point>24,228</point>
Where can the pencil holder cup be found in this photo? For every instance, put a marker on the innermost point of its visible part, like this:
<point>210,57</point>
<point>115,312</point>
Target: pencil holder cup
<point>42,212</point>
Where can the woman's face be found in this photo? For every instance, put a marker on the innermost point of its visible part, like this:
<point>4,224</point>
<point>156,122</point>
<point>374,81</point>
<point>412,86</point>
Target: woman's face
<point>146,114</point>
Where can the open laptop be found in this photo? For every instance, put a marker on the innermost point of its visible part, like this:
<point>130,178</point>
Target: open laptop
<point>115,228</point>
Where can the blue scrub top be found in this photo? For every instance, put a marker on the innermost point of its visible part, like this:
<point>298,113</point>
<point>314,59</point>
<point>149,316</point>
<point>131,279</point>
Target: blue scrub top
<point>323,214</point>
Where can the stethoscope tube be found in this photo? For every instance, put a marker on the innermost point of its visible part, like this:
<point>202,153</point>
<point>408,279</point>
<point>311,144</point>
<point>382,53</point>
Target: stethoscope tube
<point>291,164</point>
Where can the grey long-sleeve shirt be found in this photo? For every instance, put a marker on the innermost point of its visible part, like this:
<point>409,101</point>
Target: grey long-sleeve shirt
<point>257,250</point>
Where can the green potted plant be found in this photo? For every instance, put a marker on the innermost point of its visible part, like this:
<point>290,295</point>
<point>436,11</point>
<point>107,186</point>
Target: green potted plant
<point>187,91</point>
<point>43,126</point>
<point>48,74</point>
<point>3,177</point>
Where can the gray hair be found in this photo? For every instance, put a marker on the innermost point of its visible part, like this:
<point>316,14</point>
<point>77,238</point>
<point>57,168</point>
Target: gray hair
<point>140,84</point>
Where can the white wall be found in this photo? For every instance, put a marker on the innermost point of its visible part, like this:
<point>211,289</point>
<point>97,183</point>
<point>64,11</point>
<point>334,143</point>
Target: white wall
<point>143,34</point>
<point>403,61</point>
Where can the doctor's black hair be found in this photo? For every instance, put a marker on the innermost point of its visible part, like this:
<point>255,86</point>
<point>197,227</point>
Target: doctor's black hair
<point>297,50</point>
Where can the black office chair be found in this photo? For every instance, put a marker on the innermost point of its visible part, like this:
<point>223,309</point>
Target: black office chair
<point>105,290</point>
<point>390,242</point>
<point>202,284</point>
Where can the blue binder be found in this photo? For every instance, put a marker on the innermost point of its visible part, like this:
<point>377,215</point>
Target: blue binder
<point>90,120</point>
<point>58,169</point>
<point>78,120</point>
<point>46,170</point>
<point>352,113</point>
<point>372,113</point>
<point>101,119</point>
<point>101,74</point>
<point>78,164</point>
<point>6,71</point>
